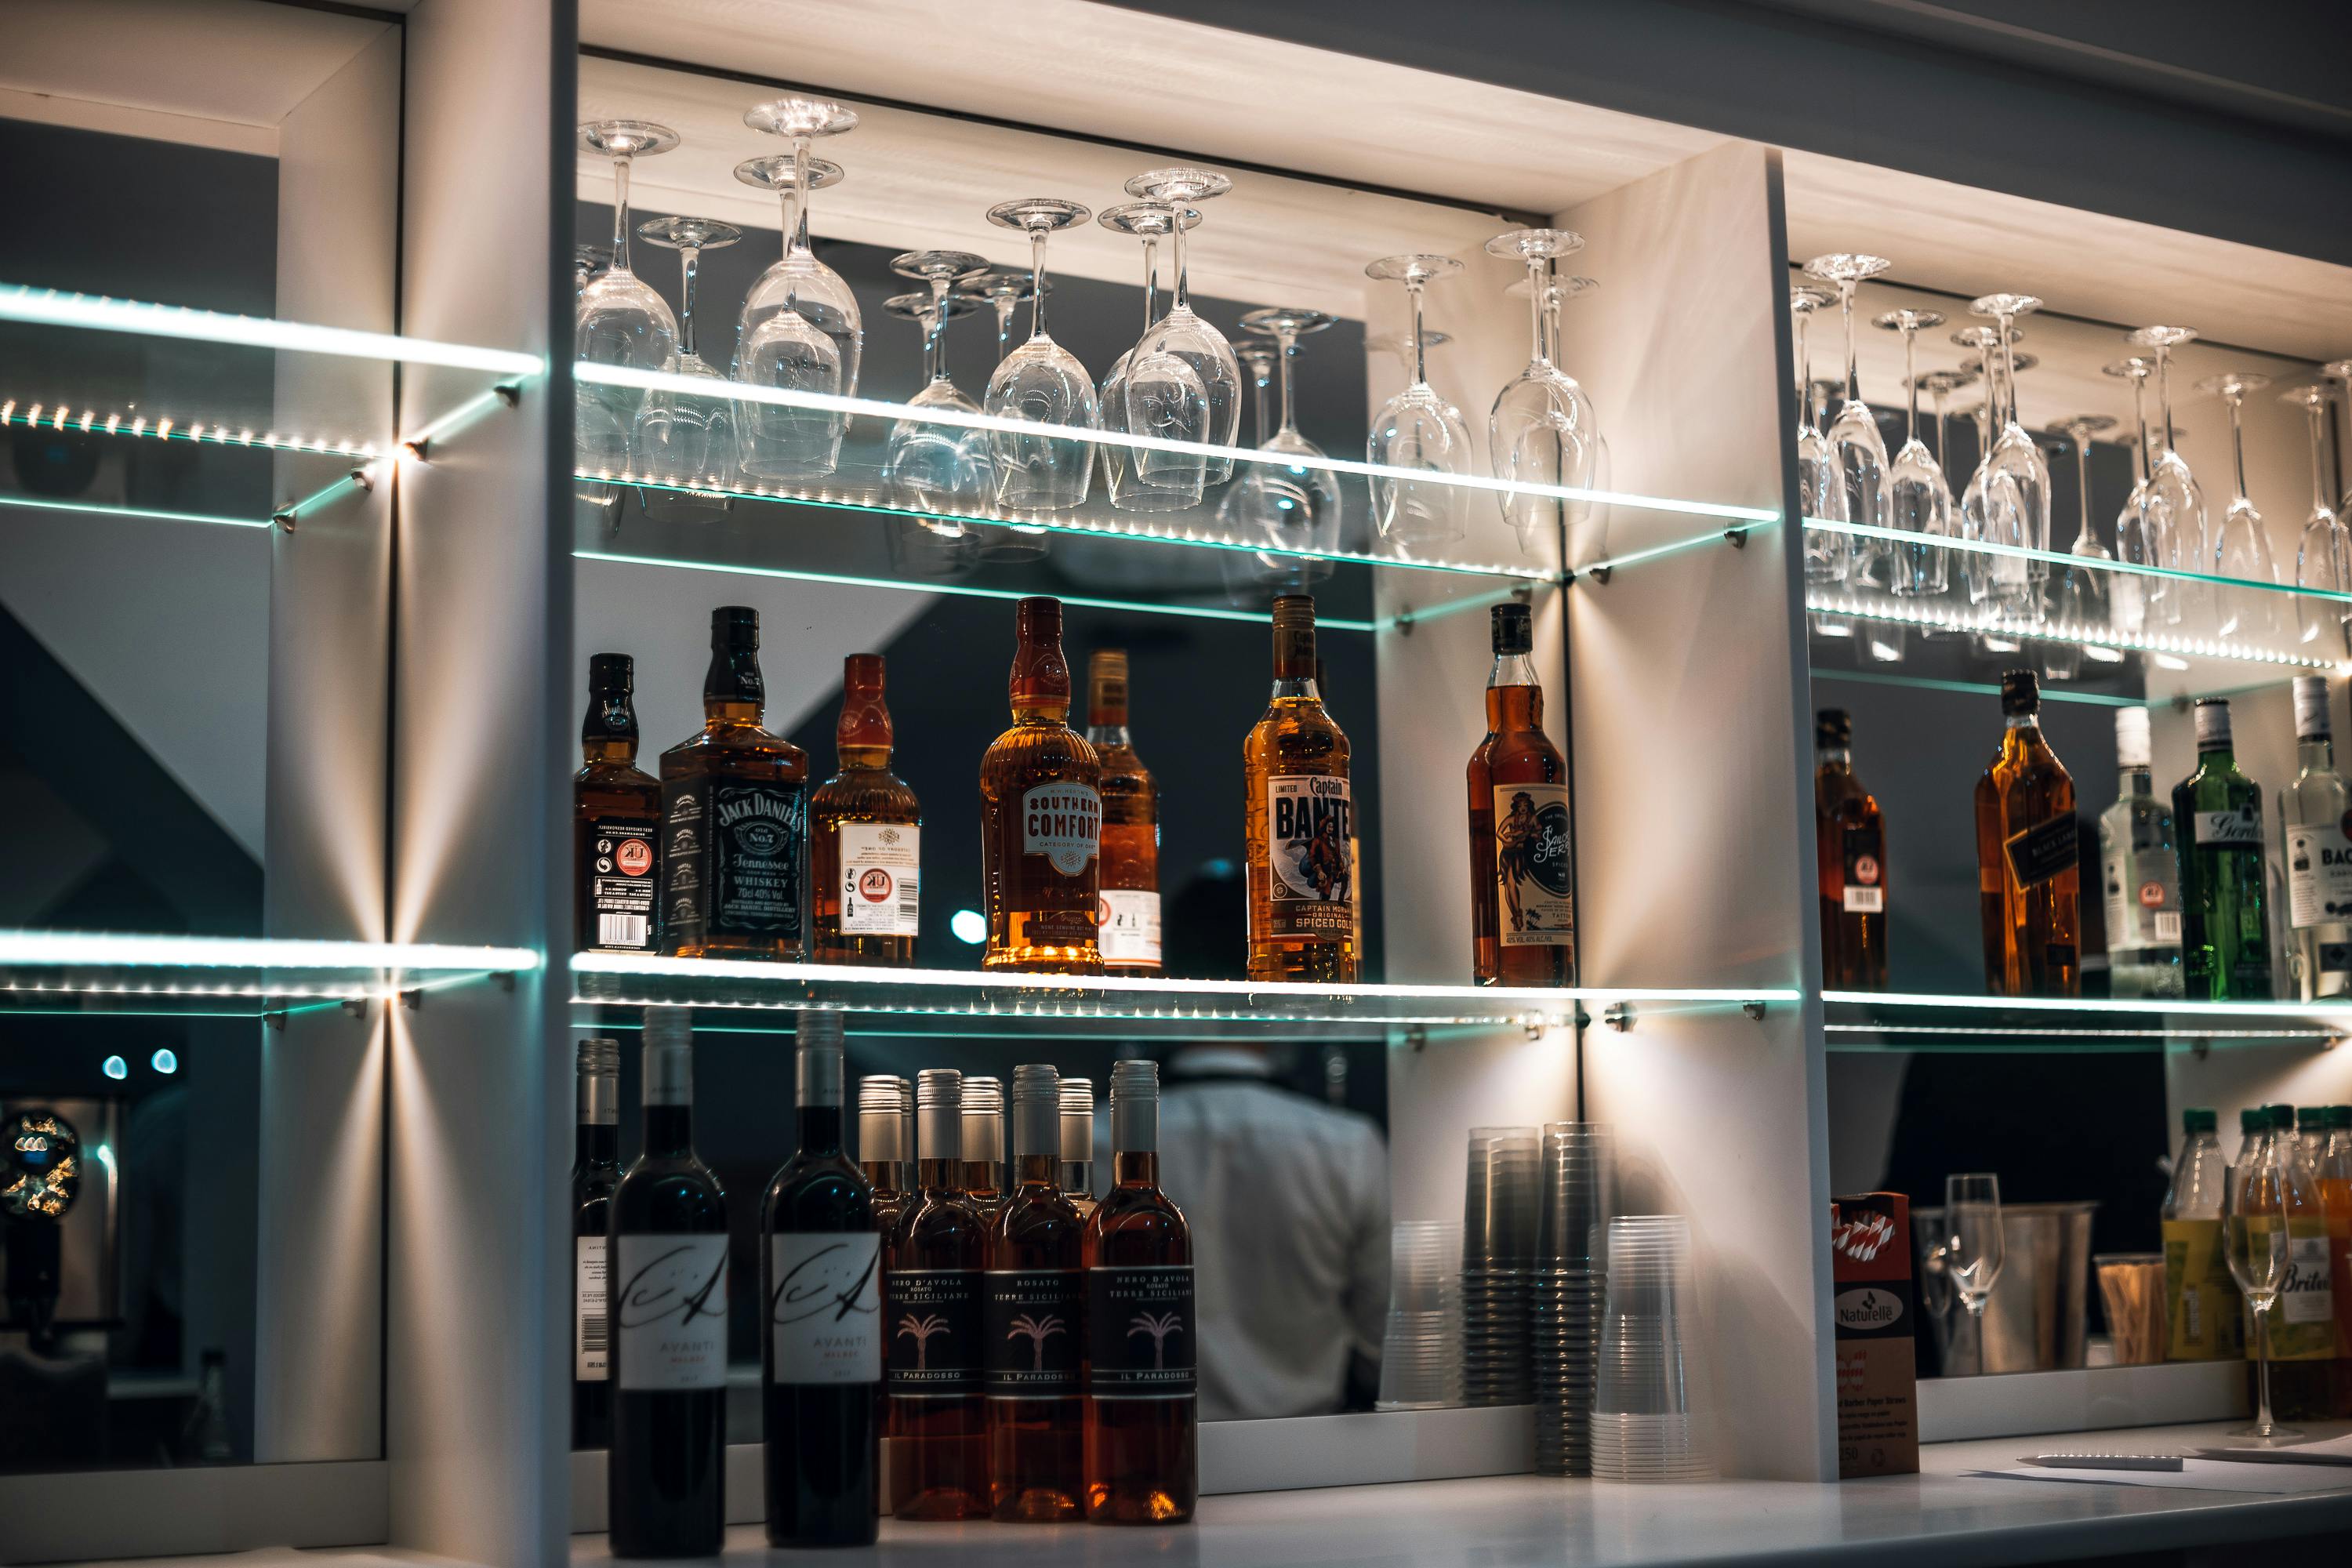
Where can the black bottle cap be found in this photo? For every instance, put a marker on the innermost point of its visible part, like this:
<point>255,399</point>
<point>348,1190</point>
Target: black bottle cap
<point>612,672</point>
<point>1515,631</point>
<point>738,626</point>
<point>2200,1119</point>
<point>1832,730</point>
<point>2019,691</point>
<point>2310,1118</point>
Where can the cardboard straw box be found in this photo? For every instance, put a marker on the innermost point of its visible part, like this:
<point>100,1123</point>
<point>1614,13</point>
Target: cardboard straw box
<point>1878,1365</point>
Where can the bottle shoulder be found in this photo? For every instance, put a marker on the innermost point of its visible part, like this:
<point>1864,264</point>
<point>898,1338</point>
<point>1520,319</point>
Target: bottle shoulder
<point>616,777</point>
<point>1296,732</point>
<point>1034,1222</point>
<point>1039,753</point>
<point>740,748</point>
<point>864,792</point>
<point>941,1229</point>
<point>669,1194</point>
<point>1129,1221</point>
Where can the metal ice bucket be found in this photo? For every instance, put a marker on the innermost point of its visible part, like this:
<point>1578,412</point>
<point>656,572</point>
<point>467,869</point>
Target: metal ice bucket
<point>2035,1320</point>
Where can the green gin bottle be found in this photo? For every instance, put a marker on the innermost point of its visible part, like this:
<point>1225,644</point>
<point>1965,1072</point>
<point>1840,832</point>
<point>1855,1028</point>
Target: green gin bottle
<point>2218,811</point>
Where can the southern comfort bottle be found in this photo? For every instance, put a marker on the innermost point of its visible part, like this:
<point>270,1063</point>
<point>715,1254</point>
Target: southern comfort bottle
<point>734,846</point>
<point>2028,874</point>
<point>865,834</point>
<point>1143,1453</point>
<point>615,818</point>
<point>1298,810</point>
<point>931,1291</point>
<point>1522,917</point>
<point>1130,913</point>
<point>1041,815</point>
<point>1031,1321</point>
<point>1850,844</point>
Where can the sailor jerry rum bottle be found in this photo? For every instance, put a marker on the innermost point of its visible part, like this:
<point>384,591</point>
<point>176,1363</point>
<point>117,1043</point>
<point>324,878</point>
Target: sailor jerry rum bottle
<point>2028,850</point>
<point>1131,826</point>
<point>865,834</point>
<point>1850,844</point>
<point>615,818</point>
<point>1522,920</point>
<point>931,1297</point>
<point>1041,815</point>
<point>734,849</point>
<point>1032,1320</point>
<point>1298,809</point>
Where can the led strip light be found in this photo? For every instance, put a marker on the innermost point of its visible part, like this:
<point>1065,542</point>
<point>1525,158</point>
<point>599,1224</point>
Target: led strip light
<point>102,950</point>
<point>64,418</point>
<point>2307,1012</point>
<point>2055,558</point>
<point>2090,638</point>
<point>57,308</point>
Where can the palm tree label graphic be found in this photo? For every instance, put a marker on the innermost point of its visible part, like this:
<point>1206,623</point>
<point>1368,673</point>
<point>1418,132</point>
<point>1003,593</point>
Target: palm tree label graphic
<point>933,1326</point>
<point>1031,1331</point>
<point>1140,1330</point>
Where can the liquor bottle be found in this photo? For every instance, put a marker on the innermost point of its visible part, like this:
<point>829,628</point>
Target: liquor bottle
<point>1031,1319</point>
<point>1355,844</point>
<point>2336,1206</point>
<point>1041,815</point>
<point>2139,870</point>
<point>865,834</point>
<point>882,1145</point>
<point>595,1172</point>
<point>2302,1325</point>
<point>2028,850</point>
<point>1850,844</point>
<point>734,851</point>
<point>2313,811</point>
<point>1142,1455</point>
<point>983,1172</point>
<point>616,819</point>
<point>821,1343</point>
<point>1522,882</point>
<point>1302,922</point>
<point>1131,826</point>
<point>1078,1143</point>
<point>2224,929</point>
<point>931,1285</point>
<point>2201,1300</point>
<point>664,1477</point>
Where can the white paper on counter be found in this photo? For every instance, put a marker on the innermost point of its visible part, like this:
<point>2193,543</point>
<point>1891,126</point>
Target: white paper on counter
<point>2196,1475</point>
<point>2330,1452</point>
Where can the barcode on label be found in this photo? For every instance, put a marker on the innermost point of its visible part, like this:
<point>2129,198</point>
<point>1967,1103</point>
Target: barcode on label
<point>592,1334</point>
<point>1866,901</point>
<point>909,907</point>
<point>621,930</point>
<point>2168,925</point>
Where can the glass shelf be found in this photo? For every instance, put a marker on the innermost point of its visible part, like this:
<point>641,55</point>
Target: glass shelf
<point>1882,1021</point>
<point>105,973</point>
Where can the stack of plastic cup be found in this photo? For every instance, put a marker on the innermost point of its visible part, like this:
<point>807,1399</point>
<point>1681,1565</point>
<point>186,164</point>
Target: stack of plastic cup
<point>1577,1198</point>
<point>1650,1416</point>
<point>1498,1251</point>
<point>1421,1355</point>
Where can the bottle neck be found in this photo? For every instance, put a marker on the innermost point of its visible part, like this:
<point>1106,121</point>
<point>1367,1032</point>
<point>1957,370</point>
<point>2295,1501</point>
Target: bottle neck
<point>940,1175</point>
<point>597,1146</point>
<point>669,1132</point>
<point>609,732</point>
<point>2135,779</point>
<point>882,1174</point>
<point>1077,1175</point>
<point>1038,1171</point>
<point>874,759</point>
<point>820,1130</point>
<point>2026,727</point>
<point>1834,759</point>
<point>1034,710</point>
<point>1135,1168</point>
<point>2216,755</point>
<point>2316,753</point>
<point>1294,661</point>
<point>732,691</point>
<point>620,749</point>
<point>1108,735</point>
<point>1514,696</point>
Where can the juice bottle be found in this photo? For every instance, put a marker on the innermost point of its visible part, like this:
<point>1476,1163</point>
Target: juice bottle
<point>2335,1204</point>
<point>2201,1301</point>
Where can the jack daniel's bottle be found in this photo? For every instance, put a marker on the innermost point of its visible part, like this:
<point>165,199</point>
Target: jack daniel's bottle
<point>734,849</point>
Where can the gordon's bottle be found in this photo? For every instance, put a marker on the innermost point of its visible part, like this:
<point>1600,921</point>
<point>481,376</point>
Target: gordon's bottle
<point>2224,929</point>
<point>2140,872</point>
<point>2313,813</point>
<point>2303,1322</point>
<point>2201,1301</point>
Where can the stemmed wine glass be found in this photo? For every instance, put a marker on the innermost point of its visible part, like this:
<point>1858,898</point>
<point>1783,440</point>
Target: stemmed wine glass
<point>1041,383</point>
<point>687,438</point>
<point>1400,344</point>
<point>2144,526</point>
<point>1974,1246</point>
<point>2254,1238</point>
<point>1290,506</point>
<point>1558,291</point>
<point>1417,429</point>
<point>1917,499</point>
<point>587,260</point>
<point>2338,373</point>
<point>1542,427</point>
<point>2242,548</point>
<point>2322,556</point>
<point>2078,595</point>
<point>2017,476</point>
<point>2173,487</point>
<point>1183,383</point>
<point>782,337</point>
<point>1856,454</point>
<point>618,318</point>
<point>942,471</point>
<point>1001,288</point>
<point>1241,510</point>
<point>1827,555</point>
<point>1133,490</point>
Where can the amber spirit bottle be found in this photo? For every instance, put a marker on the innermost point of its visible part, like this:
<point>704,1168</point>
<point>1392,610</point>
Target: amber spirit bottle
<point>1850,848</point>
<point>865,834</point>
<point>1522,882</point>
<point>1130,916</point>
<point>1032,1321</point>
<point>1041,815</point>
<point>931,1302</point>
<point>1142,1353</point>
<point>1078,1143</point>
<point>983,1172</point>
<point>616,819</point>
<point>1297,811</point>
<point>2225,934</point>
<point>734,849</point>
<point>2028,850</point>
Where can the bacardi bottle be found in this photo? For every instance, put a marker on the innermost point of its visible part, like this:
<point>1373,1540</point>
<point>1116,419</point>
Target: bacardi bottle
<point>1041,815</point>
<point>1297,811</point>
<point>2313,811</point>
<point>2224,929</point>
<point>2028,856</point>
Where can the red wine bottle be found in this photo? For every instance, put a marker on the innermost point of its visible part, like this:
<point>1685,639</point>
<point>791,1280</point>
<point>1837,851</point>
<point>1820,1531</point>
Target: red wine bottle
<point>667,1276</point>
<point>595,1171</point>
<point>821,1343</point>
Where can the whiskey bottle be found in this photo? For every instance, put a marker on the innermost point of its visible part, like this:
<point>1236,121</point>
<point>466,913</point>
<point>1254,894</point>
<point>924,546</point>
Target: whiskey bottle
<point>1031,1321</point>
<point>931,1289</point>
<point>1131,826</point>
<point>734,851</point>
<point>1297,805</point>
<point>2140,872</point>
<point>865,834</point>
<point>2225,940</point>
<point>982,1173</point>
<point>1142,1454</point>
<point>616,819</point>
<point>1078,1143</point>
<point>2028,856</point>
<point>1850,847</point>
<point>1522,883</point>
<point>2312,814</point>
<point>595,1172</point>
<point>1041,815</point>
<point>881,1145</point>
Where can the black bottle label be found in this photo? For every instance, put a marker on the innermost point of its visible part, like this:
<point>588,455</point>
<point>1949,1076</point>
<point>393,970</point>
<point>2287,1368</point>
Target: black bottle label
<point>2043,851</point>
<point>933,1319</point>
<point>734,861</point>
<point>618,870</point>
<point>1139,1332</point>
<point>1030,1321</point>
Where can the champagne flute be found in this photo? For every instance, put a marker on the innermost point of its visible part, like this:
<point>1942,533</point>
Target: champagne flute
<point>1184,382</point>
<point>2323,555</point>
<point>618,318</point>
<point>1418,429</point>
<point>1972,1223</point>
<point>2174,487</point>
<point>2241,547</point>
<point>1827,555</point>
<point>687,439</point>
<point>1041,383</point>
<point>1542,426</point>
<point>2017,476</point>
<point>782,336</point>
<point>1857,454</point>
<point>1917,499</point>
<point>2254,1238</point>
<point>1132,489</point>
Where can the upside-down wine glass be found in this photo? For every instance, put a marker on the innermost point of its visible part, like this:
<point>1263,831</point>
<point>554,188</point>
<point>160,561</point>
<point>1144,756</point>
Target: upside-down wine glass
<point>1939,384</point>
<point>1290,506</point>
<point>680,438</point>
<point>2078,594</point>
<point>1917,499</point>
<point>1041,383</point>
<point>2255,1240</point>
<point>943,471</point>
<point>1827,555</point>
<point>618,318</point>
<point>1542,427</point>
<point>1241,509</point>
<point>2339,374</point>
<point>2241,546</point>
<point>1979,571</point>
<point>2182,500</point>
<point>1400,344</point>
<point>2322,556</point>
<point>2017,476</point>
<point>1130,489</point>
<point>782,338</point>
<point>1000,288</point>
<point>587,260</point>
<point>2143,526</point>
<point>1558,291</point>
<point>1183,383</point>
<point>1974,1244</point>
<point>1857,454</point>
<point>1419,430</point>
